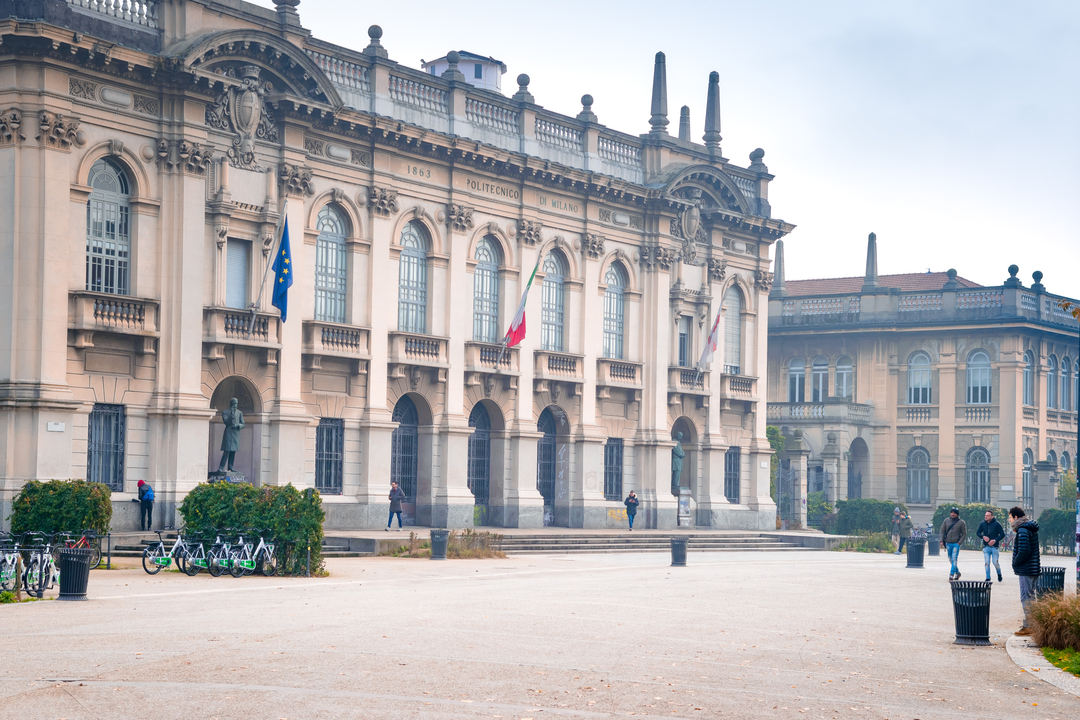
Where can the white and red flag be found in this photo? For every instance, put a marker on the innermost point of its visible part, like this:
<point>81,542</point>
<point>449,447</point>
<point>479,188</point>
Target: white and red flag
<point>516,333</point>
<point>710,344</point>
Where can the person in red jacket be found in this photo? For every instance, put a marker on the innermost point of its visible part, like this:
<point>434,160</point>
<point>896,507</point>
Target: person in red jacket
<point>146,506</point>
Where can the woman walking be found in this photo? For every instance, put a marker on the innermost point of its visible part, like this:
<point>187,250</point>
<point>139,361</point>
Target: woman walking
<point>631,503</point>
<point>396,496</point>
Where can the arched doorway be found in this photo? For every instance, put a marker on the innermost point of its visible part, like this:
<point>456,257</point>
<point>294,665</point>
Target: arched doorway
<point>858,457</point>
<point>553,466</point>
<point>479,470</point>
<point>404,455</point>
<point>688,477</point>
<point>246,460</point>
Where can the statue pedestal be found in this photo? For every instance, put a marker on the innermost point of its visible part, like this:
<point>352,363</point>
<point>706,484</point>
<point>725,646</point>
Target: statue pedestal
<point>227,476</point>
<point>684,508</point>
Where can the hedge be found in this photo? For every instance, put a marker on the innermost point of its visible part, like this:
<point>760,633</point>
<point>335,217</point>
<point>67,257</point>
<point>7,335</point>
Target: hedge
<point>972,515</point>
<point>293,517</point>
<point>1057,531</point>
<point>62,506</point>
<point>866,515</point>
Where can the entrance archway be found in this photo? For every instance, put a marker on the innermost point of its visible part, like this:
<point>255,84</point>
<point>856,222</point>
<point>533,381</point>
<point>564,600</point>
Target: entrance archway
<point>246,460</point>
<point>858,459</point>
<point>553,466</point>
<point>479,470</point>
<point>404,455</point>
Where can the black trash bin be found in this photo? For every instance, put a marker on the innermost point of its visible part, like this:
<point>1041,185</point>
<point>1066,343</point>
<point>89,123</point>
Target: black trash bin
<point>439,538</point>
<point>1051,582</point>
<point>933,545</point>
<point>74,573</point>
<point>678,552</point>
<point>915,547</point>
<point>971,609</point>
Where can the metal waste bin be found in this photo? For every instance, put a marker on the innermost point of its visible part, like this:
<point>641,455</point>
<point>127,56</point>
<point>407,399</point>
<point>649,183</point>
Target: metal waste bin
<point>678,552</point>
<point>933,545</point>
<point>971,609</point>
<point>1051,582</point>
<point>915,549</point>
<point>439,539</point>
<point>74,573</point>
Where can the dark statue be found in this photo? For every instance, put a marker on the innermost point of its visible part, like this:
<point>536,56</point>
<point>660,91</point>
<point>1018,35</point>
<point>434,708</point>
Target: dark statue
<point>230,441</point>
<point>677,455</point>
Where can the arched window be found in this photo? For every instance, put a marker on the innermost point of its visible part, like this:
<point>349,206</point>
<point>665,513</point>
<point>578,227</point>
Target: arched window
<point>1076,386</point>
<point>845,378</point>
<point>1066,463</point>
<point>412,279</point>
<point>1029,378</point>
<point>1066,385</point>
<point>1051,457</point>
<point>552,304</point>
<point>479,460</point>
<point>796,380</point>
<point>614,311</point>
<point>108,230</point>
<point>1027,498</point>
<point>919,379</point>
<point>486,291</point>
<point>978,476</point>
<point>819,379</point>
<point>732,331</point>
<point>918,476</point>
<point>1051,382</point>
<point>330,271</point>
<point>978,379</point>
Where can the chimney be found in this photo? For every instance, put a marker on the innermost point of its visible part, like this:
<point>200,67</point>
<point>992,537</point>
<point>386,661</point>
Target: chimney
<point>870,283</point>
<point>779,288</point>
<point>712,115</point>
<point>659,121</point>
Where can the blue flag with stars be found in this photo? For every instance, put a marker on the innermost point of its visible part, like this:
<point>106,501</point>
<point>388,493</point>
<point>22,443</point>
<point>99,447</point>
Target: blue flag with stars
<point>283,274</point>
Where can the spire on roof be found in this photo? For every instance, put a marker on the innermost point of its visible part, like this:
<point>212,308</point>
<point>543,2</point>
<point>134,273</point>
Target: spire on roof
<point>712,114</point>
<point>870,282</point>
<point>779,287</point>
<point>659,121</point>
<point>684,123</point>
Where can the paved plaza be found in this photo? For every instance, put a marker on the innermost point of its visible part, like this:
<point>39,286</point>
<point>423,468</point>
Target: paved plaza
<point>736,635</point>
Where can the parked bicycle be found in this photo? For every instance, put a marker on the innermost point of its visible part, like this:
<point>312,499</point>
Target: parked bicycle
<point>86,539</point>
<point>155,556</point>
<point>232,550</point>
<point>9,560</point>
<point>40,572</point>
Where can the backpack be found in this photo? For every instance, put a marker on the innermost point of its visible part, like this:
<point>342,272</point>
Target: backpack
<point>148,496</point>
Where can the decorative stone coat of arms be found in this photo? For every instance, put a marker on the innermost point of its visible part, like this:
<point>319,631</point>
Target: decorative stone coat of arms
<point>242,110</point>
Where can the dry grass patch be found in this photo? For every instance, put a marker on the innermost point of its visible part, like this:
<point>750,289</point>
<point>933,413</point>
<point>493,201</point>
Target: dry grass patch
<point>1055,622</point>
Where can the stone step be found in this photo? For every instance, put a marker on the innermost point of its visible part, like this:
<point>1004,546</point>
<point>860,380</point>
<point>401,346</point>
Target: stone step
<point>606,551</point>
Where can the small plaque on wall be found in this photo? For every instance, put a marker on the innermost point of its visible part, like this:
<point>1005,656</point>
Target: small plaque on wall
<point>54,427</point>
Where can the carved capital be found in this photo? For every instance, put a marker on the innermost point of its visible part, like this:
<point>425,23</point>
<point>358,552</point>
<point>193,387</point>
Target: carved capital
<point>763,281</point>
<point>57,131</point>
<point>460,217</point>
<point>193,158</point>
<point>655,257</point>
<point>530,232</point>
<point>384,201</point>
<point>11,127</point>
<point>221,230</point>
<point>295,180</point>
<point>717,270</point>
<point>593,245</point>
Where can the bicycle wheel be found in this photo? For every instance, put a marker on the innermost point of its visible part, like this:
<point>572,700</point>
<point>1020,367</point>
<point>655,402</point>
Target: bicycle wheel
<point>215,562</point>
<point>149,555</point>
<point>190,568</point>
<point>95,556</point>
<point>267,563</point>
<point>236,568</point>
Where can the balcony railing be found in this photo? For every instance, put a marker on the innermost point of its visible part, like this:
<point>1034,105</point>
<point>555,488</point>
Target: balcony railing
<point>618,373</point>
<point>225,326</point>
<point>1031,415</point>
<point>856,413</point>
<point>336,340</point>
<point>737,387</point>
<point>139,12</point>
<point>563,367</point>
<point>413,349</point>
<point>120,314</point>
<point>688,381</point>
<point>978,414</point>
<point>485,358</point>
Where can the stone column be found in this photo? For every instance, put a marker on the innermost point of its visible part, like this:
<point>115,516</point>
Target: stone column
<point>830,454</point>
<point>524,506</point>
<point>1043,488</point>
<point>798,453</point>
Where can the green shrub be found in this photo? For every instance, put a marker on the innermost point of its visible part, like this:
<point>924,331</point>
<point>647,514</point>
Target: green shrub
<point>866,515</point>
<point>972,515</point>
<point>61,506</point>
<point>1067,493</point>
<point>1055,622</point>
<point>817,507</point>
<point>7,597</point>
<point>1057,531</point>
<point>828,523</point>
<point>293,517</point>
<point>869,542</point>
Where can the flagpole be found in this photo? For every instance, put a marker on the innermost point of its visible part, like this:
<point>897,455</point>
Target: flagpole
<point>266,271</point>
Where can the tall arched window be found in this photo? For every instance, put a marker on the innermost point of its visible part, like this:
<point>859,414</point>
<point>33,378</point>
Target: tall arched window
<point>330,271</point>
<point>1051,382</point>
<point>486,291</point>
<point>1029,378</point>
<point>918,476</point>
<point>1027,497</point>
<point>796,380</point>
<point>1066,385</point>
<point>108,230</point>
<point>978,379</point>
<point>732,331</point>
<point>919,379</point>
<point>412,279</point>
<point>845,378</point>
<point>614,311</point>
<point>978,476</point>
<point>552,302</point>
<point>819,379</point>
<point>1051,457</point>
<point>1076,386</point>
<point>1066,463</point>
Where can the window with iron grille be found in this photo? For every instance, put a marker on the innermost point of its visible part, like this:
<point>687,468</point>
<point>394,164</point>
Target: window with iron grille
<point>614,311</point>
<point>552,303</point>
<point>919,380</point>
<point>108,230</point>
<point>732,460</point>
<point>486,292</point>
<point>613,456</point>
<point>329,455</point>
<point>105,446</point>
<point>918,476</point>
<point>330,270</point>
<point>412,279</point>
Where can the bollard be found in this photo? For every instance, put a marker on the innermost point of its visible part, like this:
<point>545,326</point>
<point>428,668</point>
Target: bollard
<point>1051,581</point>
<point>74,573</point>
<point>307,571</point>
<point>678,552</point>
<point>439,540</point>
<point>915,549</point>
<point>971,611</point>
<point>108,556</point>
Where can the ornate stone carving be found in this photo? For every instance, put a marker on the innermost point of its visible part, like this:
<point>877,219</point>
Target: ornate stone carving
<point>184,155</point>
<point>56,131</point>
<point>82,89</point>
<point>267,242</point>
<point>605,215</point>
<point>555,392</point>
<point>594,245</point>
<point>243,111</point>
<point>295,180</point>
<point>414,378</point>
<point>763,281</point>
<point>360,157</point>
<point>146,105</point>
<point>489,385</point>
<point>530,232</point>
<point>678,230</point>
<point>460,217</point>
<point>11,127</point>
<point>313,146</point>
<point>655,256</point>
<point>717,270</point>
<point>221,230</point>
<point>384,201</point>
<point>635,222</point>
<point>116,147</point>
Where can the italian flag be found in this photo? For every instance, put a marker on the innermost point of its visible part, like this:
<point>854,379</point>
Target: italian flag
<point>710,344</point>
<point>516,333</point>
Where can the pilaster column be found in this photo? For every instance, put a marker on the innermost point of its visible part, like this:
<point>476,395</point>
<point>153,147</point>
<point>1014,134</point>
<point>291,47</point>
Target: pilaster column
<point>798,453</point>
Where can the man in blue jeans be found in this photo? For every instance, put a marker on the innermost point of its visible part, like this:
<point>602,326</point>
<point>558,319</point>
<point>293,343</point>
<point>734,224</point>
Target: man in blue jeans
<point>953,534</point>
<point>992,534</point>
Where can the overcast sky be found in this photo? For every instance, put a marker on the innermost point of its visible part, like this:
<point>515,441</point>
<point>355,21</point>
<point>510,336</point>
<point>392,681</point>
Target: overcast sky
<point>948,128</point>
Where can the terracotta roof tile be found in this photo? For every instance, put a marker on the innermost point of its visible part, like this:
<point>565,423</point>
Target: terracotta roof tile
<point>907,282</point>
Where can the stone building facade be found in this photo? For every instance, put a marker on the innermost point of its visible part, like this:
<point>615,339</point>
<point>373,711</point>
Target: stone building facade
<point>152,152</point>
<point>923,388</point>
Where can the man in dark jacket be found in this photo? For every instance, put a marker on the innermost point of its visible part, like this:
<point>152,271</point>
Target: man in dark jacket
<point>1025,559</point>
<point>146,506</point>
<point>396,496</point>
<point>906,528</point>
<point>953,534</point>
<point>631,503</point>
<point>992,534</point>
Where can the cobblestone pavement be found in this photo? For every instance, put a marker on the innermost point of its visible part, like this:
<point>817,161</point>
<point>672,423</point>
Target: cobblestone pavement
<point>778,635</point>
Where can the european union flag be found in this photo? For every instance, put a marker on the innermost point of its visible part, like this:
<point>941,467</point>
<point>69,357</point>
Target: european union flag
<point>283,272</point>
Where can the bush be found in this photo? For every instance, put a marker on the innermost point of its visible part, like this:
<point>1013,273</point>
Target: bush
<point>293,517</point>
<point>972,515</point>
<point>465,544</point>
<point>1067,492</point>
<point>1057,531</point>
<point>817,507</point>
<point>869,542</point>
<point>828,523</point>
<point>62,506</point>
<point>1055,622</point>
<point>866,515</point>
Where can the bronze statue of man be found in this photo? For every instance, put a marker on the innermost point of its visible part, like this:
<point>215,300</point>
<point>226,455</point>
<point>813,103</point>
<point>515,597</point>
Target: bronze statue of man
<point>677,455</point>
<point>230,441</point>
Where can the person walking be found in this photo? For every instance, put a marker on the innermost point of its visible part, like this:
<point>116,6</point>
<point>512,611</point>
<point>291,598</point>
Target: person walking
<point>1025,561</point>
<point>992,534</point>
<point>906,528</point>
<point>146,506</point>
<point>396,496</point>
<point>953,534</point>
<point>894,531</point>
<point>631,503</point>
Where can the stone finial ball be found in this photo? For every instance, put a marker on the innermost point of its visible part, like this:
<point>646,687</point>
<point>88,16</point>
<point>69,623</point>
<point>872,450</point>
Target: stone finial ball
<point>374,32</point>
<point>757,155</point>
<point>1013,269</point>
<point>453,57</point>
<point>523,80</point>
<point>832,438</point>
<point>951,273</point>
<point>586,100</point>
<point>1037,276</point>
